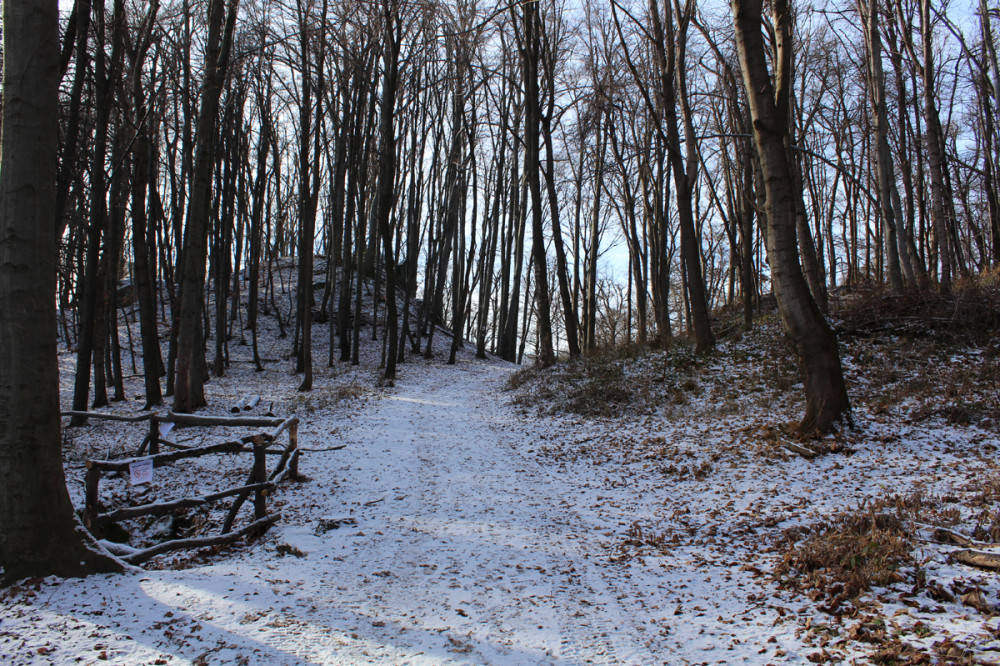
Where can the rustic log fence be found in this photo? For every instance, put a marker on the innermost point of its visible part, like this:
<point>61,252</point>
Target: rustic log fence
<point>259,484</point>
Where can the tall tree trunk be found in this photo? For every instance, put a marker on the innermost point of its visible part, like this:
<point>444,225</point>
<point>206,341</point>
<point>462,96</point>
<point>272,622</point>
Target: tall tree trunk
<point>935,148</point>
<point>229,156</point>
<point>189,384</point>
<point>550,55</point>
<point>905,228</point>
<point>256,239</point>
<point>590,307</point>
<point>992,143</point>
<point>674,82</point>
<point>811,266</point>
<point>344,302</point>
<point>387,175</point>
<point>811,336</point>
<point>530,47</point>
<point>490,246</point>
<point>876,90</point>
<point>142,277</point>
<point>308,197</point>
<point>39,533</point>
<point>458,194</point>
<point>71,141</point>
<point>90,311</point>
<point>516,222</point>
<point>747,214</point>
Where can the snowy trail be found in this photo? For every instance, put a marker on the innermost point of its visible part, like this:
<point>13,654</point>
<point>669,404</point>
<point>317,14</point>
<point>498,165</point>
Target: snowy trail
<point>464,549</point>
<point>464,546</point>
<point>466,542</point>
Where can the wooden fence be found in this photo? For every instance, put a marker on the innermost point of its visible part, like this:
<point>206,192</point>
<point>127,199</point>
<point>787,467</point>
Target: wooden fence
<point>259,484</point>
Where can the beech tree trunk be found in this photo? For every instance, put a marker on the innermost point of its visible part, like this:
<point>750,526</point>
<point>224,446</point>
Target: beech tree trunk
<point>143,278</point>
<point>39,533</point>
<point>91,334</point>
<point>189,383</point>
<point>386,175</point>
<point>530,50</point>
<point>549,61</point>
<point>308,195</point>
<point>935,149</point>
<point>514,249</point>
<point>811,336</point>
<point>891,215</point>
<point>671,61</point>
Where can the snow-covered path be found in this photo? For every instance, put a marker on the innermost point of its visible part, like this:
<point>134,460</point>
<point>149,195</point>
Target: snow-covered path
<point>437,535</point>
<point>463,548</point>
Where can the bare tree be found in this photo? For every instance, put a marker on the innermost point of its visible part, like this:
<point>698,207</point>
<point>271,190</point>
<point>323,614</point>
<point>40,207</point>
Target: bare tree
<point>39,533</point>
<point>811,336</point>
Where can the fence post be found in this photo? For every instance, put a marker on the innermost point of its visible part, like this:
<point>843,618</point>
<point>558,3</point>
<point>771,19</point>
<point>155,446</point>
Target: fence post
<point>91,481</point>
<point>154,435</point>
<point>293,446</point>
<point>259,475</point>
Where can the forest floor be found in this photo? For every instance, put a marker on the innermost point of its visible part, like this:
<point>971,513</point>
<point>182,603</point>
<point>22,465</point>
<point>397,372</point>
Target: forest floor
<point>639,507</point>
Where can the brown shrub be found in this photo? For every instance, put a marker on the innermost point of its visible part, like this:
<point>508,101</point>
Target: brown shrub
<point>970,312</point>
<point>851,552</point>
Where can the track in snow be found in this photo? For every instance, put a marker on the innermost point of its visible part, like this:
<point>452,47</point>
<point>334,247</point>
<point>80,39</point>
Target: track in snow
<point>467,548</point>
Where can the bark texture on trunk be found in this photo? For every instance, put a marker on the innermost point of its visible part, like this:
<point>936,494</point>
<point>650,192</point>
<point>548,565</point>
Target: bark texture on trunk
<point>143,234</point>
<point>189,383</point>
<point>39,533</point>
<point>935,149</point>
<point>671,53</point>
<point>811,336</point>
<point>386,179</point>
<point>530,49</point>
<point>891,216</point>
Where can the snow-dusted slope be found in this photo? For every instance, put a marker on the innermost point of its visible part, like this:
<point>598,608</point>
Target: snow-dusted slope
<point>456,527</point>
<point>464,546</point>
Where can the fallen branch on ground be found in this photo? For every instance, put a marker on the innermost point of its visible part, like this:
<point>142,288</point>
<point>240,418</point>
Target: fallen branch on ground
<point>978,558</point>
<point>143,555</point>
<point>803,451</point>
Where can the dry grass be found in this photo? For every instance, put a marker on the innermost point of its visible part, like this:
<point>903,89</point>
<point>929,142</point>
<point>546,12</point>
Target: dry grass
<point>852,551</point>
<point>347,392</point>
<point>329,399</point>
<point>969,313</point>
<point>982,496</point>
<point>628,380</point>
<point>754,373</point>
<point>926,355</point>
<point>926,377</point>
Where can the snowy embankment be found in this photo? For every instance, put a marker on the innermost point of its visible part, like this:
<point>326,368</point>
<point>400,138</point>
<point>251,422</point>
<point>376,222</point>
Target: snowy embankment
<point>456,526</point>
<point>459,544</point>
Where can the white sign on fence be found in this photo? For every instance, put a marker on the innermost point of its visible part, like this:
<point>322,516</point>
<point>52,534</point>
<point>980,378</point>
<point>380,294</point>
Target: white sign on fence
<point>141,471</point>
<point>165,429</point>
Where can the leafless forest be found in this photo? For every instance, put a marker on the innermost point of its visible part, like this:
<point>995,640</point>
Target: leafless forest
<point>543,178</point>
<point>630,198</point>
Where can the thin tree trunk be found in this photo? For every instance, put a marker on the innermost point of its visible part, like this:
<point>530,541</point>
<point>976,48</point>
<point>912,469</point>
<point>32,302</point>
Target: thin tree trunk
<point>386,175</point>
<point>90,312</point>
<point>935,153</point>
<point>67,165</point>
<point>530,47</point>
<point>189,384</point>
<point>876,90</point>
